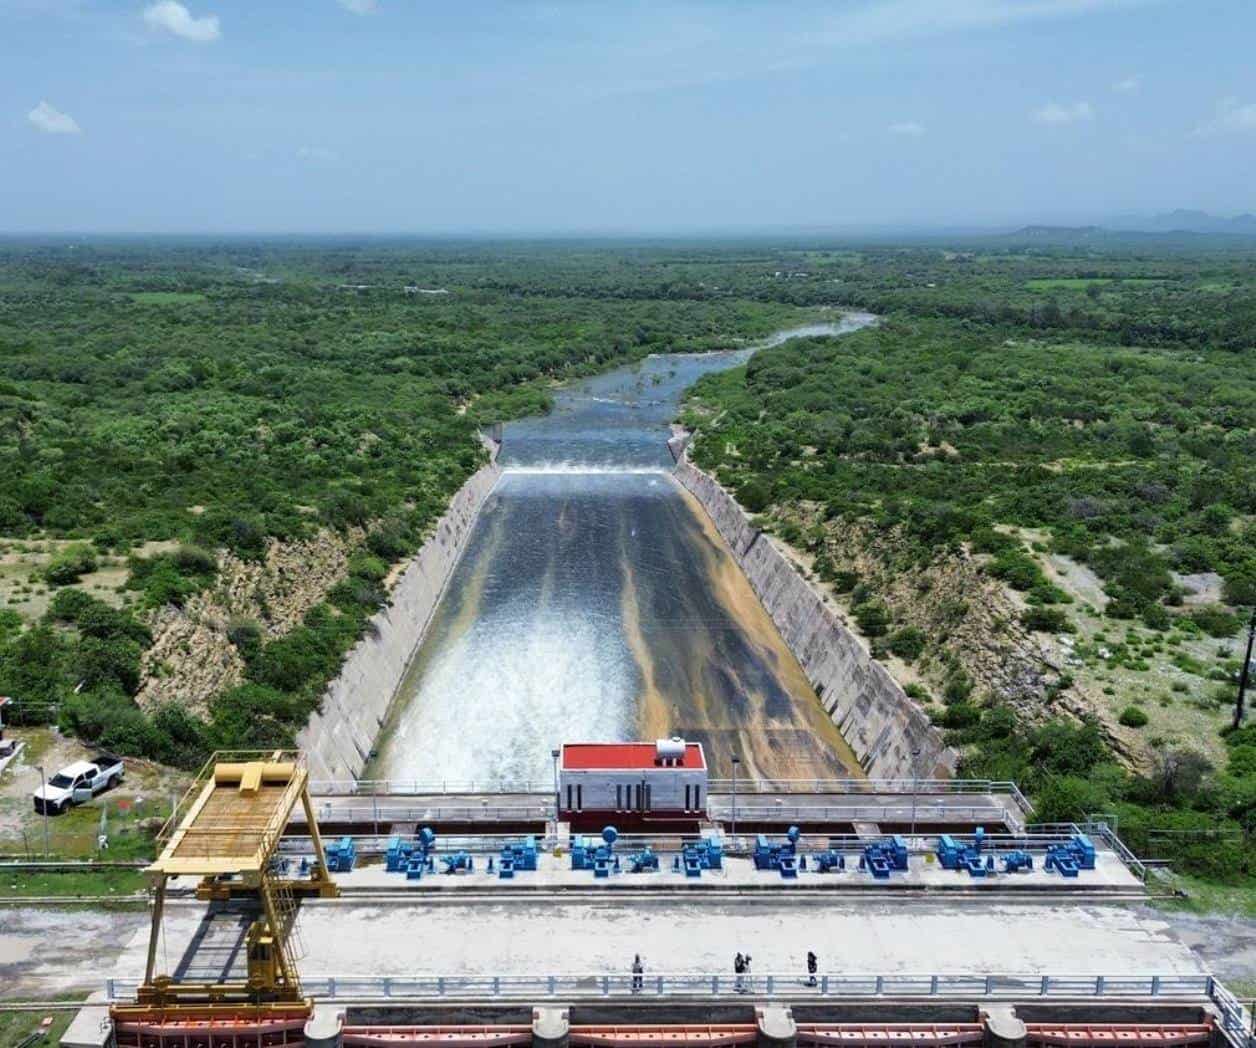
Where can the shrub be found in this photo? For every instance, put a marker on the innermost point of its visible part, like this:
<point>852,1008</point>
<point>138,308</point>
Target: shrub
<point>170,578</point>
<point>246,635</point>
<point>70,564</point>
<point>1046,620</point>
<point>755,494</point>
<point>958,688</point>
<point>907,643</point>
<point>1133,717</point>
<point>873,618</point>
<point>1018,570</point>
<point>1216,622</point>
<point>845,581</point>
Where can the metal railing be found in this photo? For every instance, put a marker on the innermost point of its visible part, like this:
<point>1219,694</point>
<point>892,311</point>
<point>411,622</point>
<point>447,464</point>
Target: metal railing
<point>430,787</point>
<point>485,812</point>
<point>778,984</point>
<point>900,811</point>
<point>1232,1020</point>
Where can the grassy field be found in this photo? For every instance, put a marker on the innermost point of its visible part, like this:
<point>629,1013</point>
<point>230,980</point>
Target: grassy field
<point>15,1027</point>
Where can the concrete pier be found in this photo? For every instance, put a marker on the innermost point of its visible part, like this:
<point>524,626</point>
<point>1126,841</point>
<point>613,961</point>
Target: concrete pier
<point>776,1027</point>
<point>551,1027</point>
<point>1003,1027</point>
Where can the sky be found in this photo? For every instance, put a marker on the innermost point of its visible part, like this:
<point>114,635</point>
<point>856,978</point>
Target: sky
<point>514,116</point>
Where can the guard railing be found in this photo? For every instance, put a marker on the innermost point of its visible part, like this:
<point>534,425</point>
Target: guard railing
<point>440,787</point>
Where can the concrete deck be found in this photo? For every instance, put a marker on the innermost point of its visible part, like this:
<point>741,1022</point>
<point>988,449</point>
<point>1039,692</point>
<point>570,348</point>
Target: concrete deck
<point>481,936</point>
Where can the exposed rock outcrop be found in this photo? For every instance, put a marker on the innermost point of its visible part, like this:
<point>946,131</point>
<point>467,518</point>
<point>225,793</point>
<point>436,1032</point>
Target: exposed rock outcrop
<point>192,659</point>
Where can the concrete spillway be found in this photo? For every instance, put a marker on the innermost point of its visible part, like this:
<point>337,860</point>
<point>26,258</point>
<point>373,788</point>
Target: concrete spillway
<point>596,599</point>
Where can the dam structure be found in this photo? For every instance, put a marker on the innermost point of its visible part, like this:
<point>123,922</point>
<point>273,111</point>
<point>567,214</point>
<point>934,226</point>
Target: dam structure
<point>596,599</point>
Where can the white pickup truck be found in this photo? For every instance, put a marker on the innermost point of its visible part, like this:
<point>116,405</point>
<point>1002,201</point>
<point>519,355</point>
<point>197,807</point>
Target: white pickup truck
<point>78,782</point>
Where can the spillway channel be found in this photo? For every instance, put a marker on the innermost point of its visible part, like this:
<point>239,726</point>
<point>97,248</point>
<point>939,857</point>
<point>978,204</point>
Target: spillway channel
<point>596,601</point>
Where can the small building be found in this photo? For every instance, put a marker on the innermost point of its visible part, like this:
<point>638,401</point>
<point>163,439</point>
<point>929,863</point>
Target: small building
<point>632,784</point>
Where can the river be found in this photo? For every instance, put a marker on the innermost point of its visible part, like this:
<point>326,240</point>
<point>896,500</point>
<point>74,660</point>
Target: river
<point>595,601</point>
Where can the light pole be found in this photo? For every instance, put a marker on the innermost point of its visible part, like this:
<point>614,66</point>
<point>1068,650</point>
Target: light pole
<point>43,781</point>
<point>557,798</point>
<point>1243,674</point>
<point>915,785</point>
<point>736,762</point>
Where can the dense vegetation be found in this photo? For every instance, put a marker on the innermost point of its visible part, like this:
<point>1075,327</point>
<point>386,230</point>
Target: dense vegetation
<point>946,429</point>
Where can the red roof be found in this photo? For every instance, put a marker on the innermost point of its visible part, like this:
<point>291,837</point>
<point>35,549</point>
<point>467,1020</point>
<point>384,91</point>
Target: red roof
<point>611,756</point>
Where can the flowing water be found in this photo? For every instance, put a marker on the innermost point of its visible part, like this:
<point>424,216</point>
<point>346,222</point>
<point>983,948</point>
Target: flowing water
<point>596,601</point>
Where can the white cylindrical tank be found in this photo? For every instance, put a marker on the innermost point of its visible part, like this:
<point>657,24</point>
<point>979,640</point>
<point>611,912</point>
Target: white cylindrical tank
<point>670,749</point>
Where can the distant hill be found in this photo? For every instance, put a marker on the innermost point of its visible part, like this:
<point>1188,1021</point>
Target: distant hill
<point>1237,234</point>
<point>1184,220</point>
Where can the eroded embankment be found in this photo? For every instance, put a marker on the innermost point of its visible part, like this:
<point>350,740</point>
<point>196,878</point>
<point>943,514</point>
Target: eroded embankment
<point>339,737</point>
<point>881,724</point>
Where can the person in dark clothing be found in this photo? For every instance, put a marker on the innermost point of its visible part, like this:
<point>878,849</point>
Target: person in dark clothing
<point>813,965</point>
<point>638,974</point>
<point>739,969</point>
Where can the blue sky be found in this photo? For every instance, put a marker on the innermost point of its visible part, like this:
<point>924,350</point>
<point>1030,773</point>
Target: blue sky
<point>428,116</point>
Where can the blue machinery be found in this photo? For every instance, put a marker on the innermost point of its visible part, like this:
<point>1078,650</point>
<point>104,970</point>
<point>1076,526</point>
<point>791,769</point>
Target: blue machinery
<point>781,857</point>
<point>341,855</point>
<point>587,854</point>
<point>416,856</point>
<point>881,857</point>
<point>515,857</point>
<point>1077,853</point>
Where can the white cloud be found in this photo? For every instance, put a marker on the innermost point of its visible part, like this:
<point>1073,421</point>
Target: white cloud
<point>317,155</point>
<point>49,119</point>
<point>173,17</point>
<point>1231,116</point>
<point>1058,113</point>
<point>1129,85</point>
<point>360,7</point>
<point>908,128</point>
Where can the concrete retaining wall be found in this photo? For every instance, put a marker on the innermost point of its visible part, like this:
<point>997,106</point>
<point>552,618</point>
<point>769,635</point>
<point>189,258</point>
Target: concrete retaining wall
<point>338,739</point>
<point>875,716</point>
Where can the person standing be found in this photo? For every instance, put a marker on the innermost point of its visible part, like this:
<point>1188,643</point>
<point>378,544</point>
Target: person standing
<point>638,974</point>
<point>813,965</point>
<point>739,972</point>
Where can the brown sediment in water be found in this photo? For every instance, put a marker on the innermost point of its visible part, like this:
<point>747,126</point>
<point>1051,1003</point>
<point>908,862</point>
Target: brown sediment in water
<point>806,743</point>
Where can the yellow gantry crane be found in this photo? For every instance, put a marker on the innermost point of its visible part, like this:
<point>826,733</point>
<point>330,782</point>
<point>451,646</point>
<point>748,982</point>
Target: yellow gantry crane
<point>226,831</point>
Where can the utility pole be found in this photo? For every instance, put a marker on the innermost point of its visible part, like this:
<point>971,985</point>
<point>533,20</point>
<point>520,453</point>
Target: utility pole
<point>1243,674</point>
<point>554,755</point>
<point>43,781</point>
<point>915,785</point>
<point>736,761</point>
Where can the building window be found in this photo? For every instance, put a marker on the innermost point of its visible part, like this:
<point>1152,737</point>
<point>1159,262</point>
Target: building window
<point>569,796</point>
<point>697,797</point>
<point>619,797</point>
<point>646,805</point>
<point>580,798</point>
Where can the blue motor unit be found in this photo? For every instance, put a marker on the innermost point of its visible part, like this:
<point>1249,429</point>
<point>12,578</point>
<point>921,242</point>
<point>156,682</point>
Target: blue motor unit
<point>341,855</point>
<point>1075,854</point>
<point>781,857</point>
<point>881,857</point>
<point>413,857</point>
<point>517,856</point>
